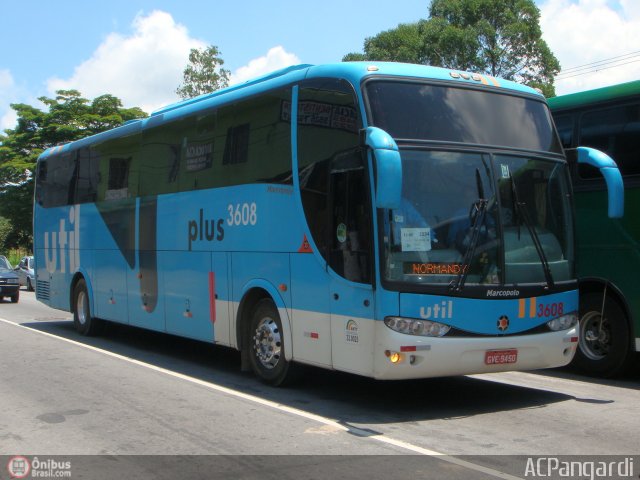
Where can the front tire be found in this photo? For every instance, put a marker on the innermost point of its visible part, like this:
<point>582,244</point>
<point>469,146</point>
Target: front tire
<point>82,319</point>
<point>29,285</point>
<point>604,348</point>
<point>15,298</point>
<point>265,341</point>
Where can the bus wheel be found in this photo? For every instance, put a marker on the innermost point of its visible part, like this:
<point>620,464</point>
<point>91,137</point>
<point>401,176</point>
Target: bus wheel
<point>266,345</point>
<point>82,319</point>
<point>604,348</point>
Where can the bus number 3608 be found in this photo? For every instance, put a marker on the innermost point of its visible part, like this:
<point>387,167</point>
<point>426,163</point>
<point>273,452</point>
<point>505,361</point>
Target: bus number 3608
<point>242,214</point>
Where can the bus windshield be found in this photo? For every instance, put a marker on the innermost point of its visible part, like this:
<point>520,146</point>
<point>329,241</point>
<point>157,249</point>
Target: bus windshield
<point>419,111</point>
<point>480,216</point>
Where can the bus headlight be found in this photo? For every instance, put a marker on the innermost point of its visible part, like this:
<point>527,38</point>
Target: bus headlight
<point>423,328</point>
<point>564,322</point>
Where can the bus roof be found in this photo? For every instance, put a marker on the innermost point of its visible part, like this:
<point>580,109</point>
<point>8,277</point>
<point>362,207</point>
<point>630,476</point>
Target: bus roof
<point>597,95</point>
<point>355,72</point>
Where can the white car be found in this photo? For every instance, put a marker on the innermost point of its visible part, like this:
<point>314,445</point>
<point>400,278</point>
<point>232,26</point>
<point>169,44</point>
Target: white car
<point>26,273</point>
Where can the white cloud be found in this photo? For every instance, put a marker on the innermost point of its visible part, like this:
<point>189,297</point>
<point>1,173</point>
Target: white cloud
<point>631,8</point>
<point>9,93</point>
<point>580,32</point>
<point>142,69</point>
<point>7,84</point>
<point>275,59</point>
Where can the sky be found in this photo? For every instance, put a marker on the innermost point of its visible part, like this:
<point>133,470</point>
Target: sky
<point>137,49</point>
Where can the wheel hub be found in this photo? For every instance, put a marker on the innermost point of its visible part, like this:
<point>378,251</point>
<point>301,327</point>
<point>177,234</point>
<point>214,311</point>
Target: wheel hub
<point>595,336</point>
<point>81,308</point>
<point>267,343</point>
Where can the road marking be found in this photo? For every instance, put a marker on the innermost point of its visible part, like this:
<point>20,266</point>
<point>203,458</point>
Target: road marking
<point>335,425</point>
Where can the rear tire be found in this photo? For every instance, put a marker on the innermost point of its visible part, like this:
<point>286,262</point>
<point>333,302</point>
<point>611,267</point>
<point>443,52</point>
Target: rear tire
<point>82,319</point>
<point>604,347</point>
<point>265,341</point>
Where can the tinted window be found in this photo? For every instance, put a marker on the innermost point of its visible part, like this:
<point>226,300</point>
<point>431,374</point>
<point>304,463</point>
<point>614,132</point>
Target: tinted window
<point>87,177</point>
<point>55,186</point>
<point>333,179</point>
<point>254,137</point>
<point>615,131</point>
<point>350,217</point>
<point>236,146</point>
<point>564,124</point>
<point>119,160</point>
<point>434,112</point>
<point>245,142</point>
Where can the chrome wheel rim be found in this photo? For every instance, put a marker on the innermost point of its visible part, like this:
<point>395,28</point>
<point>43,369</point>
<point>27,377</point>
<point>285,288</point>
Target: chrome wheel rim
<point>81,310</point>
<point>595,339</point>
<point>267,343</point>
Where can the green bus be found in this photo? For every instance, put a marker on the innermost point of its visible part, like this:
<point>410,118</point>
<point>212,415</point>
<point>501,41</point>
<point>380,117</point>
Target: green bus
<point>608,249</point>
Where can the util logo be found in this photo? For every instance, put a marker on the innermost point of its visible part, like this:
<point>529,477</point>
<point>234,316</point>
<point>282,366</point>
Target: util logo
<point>62,247</point>
<point>443,309</point>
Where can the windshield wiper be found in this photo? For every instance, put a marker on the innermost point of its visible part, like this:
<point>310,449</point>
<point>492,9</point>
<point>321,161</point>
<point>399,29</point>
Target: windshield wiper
<point>524,215</point>
<point>480,210</point>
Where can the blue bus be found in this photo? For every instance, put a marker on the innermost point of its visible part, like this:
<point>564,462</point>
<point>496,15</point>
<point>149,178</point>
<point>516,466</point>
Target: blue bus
<point>393,221</point>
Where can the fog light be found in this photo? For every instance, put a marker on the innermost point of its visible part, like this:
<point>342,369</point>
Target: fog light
<point>394,357</point>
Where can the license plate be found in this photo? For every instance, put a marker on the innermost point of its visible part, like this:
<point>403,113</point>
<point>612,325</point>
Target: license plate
<point>500,357</point>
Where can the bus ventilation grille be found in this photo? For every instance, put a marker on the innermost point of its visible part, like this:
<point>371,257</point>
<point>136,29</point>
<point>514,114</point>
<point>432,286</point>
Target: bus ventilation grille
<point>42,290</point>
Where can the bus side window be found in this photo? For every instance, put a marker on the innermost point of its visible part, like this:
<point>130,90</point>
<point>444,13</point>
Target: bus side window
<point>88,177</point>
<point>615,131</point>
<point>333,178</point>
<point>58,180</point>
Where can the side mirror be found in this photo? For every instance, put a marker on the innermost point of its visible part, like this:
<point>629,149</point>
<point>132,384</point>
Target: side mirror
<point>611,174</point>
<point>388,167</point>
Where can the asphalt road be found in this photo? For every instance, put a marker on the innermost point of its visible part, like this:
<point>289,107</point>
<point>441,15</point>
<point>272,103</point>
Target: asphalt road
<point>132,392</point>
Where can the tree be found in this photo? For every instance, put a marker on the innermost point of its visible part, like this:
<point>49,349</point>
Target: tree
<point>68,117</point>
<point>204,73</point>
<point>498,37</point>
<point>5,231</point>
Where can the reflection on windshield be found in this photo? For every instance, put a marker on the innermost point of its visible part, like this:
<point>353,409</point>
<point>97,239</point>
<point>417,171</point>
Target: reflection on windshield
<point>412,110</point>
<point>4,264</point>
<point>458,220</point>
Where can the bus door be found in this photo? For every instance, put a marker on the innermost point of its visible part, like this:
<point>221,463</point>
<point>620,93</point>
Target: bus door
<point>350,264</point>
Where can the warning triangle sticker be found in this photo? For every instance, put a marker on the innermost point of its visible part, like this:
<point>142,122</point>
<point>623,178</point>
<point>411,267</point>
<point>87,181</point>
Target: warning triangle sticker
<point>305,247</point>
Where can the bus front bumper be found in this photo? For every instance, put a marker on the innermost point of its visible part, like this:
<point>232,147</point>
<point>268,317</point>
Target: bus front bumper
<point>399,356</point>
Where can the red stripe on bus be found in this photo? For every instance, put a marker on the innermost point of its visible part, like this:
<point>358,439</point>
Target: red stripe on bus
<point>212,297</point>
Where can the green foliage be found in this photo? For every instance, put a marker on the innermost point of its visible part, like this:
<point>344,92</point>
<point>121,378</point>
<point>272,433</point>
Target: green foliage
<point>501,38</point>
<point>5,230</point>
<point>68,117</point>
<point>204,73</point>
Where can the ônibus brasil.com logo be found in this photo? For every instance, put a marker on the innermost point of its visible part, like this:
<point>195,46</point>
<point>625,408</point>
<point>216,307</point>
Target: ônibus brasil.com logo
<point>20,467</point>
